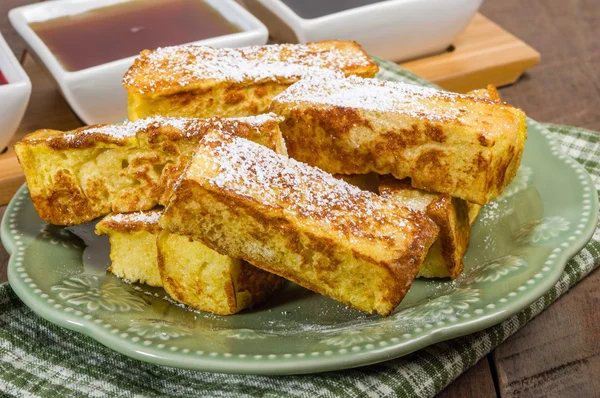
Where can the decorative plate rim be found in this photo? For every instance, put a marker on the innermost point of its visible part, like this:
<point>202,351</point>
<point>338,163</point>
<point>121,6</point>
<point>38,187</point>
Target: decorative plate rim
<point>318,361</point>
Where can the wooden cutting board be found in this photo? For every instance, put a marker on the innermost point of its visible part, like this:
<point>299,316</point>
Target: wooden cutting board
<point>483,54</point>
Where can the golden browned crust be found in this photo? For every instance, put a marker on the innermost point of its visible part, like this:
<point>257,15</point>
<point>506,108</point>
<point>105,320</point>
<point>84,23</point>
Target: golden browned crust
<point>65,203</point>
<point>490,93</point>
<point>298,222</point>
<point>197,276</point>
<point>132,240</point>
<point>190,272</point>
<point>254,286</point>
<point>131,222</point>
<point>76,139</point>
<point>158,129</point>
<point>201,81</point>
<point>223,301</point>
<point>464,146</point>
<point>450,214</point>
<point>171,70</point>
<point>473,210</point>
<point>74,177</point>
<point>226,100</point>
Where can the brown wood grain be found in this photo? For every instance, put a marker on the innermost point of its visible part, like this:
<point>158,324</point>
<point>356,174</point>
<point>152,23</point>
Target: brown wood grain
<point>557,353</point>
<point>474,383</point>
<point>565,87</point>
<point>484,53</point>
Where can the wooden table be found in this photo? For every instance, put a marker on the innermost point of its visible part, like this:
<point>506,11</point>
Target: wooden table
<point>558,353</point>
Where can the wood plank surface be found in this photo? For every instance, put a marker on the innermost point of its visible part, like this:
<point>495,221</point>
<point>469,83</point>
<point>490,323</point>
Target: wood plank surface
<point>565,87</point>
<point>474,383</point>
<point>557,353</point>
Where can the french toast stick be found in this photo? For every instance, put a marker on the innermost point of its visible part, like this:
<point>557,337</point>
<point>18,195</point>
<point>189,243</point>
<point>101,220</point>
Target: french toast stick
<point>77,176</point>
<point>445,257</point>
<point>464,146</point>
<point>202,81</point>
<point>132,238</point>
<point>190,272</point>
<point>491,93</point>
<point>454,216</point>
<point>200,277</point>
<point>299,222</point>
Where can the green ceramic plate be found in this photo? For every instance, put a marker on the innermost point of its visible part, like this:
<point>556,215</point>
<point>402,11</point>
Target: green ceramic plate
<point>518,249</point>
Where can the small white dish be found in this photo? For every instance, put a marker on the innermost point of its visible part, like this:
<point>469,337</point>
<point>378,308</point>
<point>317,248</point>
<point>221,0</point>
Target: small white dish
<point>96,94</point>
<point>14,96</point>
<point>394,29</point>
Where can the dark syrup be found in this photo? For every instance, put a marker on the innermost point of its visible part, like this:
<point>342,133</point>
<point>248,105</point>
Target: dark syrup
<point>110,33</point>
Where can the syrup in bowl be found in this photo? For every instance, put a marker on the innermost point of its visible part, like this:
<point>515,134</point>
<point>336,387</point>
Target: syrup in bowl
<point>123,30</point>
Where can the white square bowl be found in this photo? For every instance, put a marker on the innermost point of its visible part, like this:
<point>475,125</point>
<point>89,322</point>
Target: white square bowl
<point>95,94</point>
<point>14,96</point>
<point>394,29</point>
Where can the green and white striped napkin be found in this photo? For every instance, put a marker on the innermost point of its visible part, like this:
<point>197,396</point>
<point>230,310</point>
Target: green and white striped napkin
<point>38,358</point>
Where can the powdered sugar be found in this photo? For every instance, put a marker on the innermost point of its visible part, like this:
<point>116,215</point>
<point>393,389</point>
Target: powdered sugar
<point>374,95</point>
<point>142,217</point>
<point>259,120</point>
<point>299,189</point>
<point>180,66</point>
<point>129,129</point>
<point>190,127</point>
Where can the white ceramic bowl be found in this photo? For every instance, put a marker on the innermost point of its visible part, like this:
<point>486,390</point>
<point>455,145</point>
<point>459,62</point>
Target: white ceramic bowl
<point>14,96</point>
<point>96,94</point>
<point>394,29</point>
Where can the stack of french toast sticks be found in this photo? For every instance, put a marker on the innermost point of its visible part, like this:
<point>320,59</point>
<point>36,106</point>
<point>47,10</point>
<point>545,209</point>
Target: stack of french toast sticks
<point>244,167</point>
